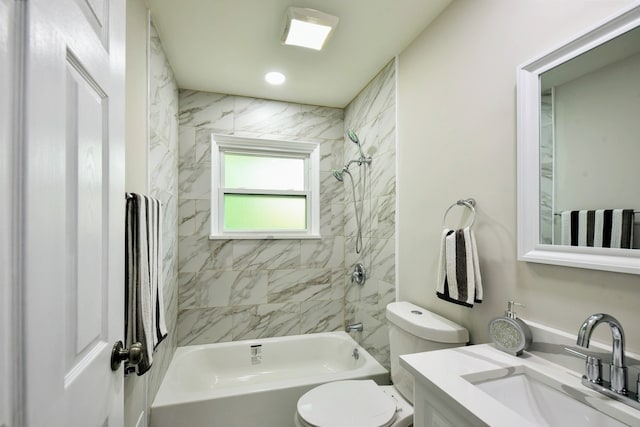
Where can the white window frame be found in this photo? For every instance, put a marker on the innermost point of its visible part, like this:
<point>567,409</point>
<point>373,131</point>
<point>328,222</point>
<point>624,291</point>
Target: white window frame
<point>309,151</point>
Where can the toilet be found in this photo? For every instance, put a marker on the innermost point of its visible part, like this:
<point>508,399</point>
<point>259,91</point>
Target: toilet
<point>363,403</point>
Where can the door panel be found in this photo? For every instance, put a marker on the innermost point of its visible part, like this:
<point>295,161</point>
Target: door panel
<point>74,212</point>
<point>96,13</point>
<point>87,283</point>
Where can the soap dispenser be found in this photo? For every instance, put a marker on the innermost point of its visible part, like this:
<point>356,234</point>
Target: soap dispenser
<point>509,333</point>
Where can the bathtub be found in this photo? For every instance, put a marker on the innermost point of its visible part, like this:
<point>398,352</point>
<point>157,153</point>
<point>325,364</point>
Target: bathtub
<point>255,382</point>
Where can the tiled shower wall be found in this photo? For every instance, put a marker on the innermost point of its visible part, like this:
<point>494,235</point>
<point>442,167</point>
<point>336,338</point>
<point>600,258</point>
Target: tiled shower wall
<point>372,114</point>
<point>163,179</point>
<point>547,133</point>
<point>243,289</point>
<point>221,290</point>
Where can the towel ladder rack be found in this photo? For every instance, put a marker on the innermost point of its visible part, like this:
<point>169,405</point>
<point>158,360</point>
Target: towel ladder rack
<point>470,203</point>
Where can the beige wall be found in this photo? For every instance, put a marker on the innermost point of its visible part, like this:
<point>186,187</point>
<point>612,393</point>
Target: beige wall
<point>136,98</point>
<point>457,139</point>
<point>603,161</point>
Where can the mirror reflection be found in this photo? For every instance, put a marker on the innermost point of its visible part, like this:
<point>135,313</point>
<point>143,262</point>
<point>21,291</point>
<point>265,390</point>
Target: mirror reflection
<point>590,148</point>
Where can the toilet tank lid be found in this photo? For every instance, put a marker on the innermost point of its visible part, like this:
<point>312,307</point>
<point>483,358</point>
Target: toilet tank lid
<point>424,324</point>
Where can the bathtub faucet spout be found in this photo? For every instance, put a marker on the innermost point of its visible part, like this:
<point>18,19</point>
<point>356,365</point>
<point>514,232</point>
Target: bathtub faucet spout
<point>354,327</point>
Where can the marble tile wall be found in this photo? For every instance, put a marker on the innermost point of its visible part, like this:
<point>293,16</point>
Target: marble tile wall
<point>163,184</point>
<point>547,132</point>
<point>372,115</point>
<point>243,289</point>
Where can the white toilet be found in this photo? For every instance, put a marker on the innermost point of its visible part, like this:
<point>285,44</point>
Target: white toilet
<point>363,403</point>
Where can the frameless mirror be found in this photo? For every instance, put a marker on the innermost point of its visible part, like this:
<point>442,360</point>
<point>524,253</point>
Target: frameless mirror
<point>578,150</point>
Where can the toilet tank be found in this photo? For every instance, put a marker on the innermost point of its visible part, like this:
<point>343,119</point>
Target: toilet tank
<point>413,329</point>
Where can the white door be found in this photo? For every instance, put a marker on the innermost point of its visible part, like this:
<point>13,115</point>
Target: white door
<point>73,241</point>
<point>8,369</point>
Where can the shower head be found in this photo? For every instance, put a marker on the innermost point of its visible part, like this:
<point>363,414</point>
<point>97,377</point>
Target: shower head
<point>354,138</point>
<point>339,174</point>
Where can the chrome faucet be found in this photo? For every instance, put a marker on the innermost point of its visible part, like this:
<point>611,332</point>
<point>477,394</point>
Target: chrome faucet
<point>354,327</point>
<point>616,388</point>
<point>618,370</point>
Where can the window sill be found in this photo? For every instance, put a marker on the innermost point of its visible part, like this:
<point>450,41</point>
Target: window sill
<point>265,237</point>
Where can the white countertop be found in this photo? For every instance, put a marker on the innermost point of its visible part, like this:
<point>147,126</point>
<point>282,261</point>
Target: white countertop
<point>449,372</point>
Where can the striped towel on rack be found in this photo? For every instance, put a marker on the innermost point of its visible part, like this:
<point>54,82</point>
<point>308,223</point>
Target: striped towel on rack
<point>600,228</point>
<point>459,279</point>
<point>144,317</point>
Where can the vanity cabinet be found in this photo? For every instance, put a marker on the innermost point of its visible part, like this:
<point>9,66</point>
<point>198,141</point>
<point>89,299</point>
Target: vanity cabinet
<point>480,385</point>
<point>433,408</point>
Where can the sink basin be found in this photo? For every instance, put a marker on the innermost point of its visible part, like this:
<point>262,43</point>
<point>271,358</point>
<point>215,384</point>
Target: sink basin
<point>539,399</point>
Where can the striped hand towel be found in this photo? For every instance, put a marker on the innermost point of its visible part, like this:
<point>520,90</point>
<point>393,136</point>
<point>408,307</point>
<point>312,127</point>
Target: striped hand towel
<point>459,278</point>
<point>144,316</point>
<point>600,228</point>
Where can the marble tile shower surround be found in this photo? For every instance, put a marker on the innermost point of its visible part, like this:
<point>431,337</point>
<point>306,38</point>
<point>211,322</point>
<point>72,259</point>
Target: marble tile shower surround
<point>372,114</point>
<point>546,169</point>
<point>243,289</point>
<point>163,164</point>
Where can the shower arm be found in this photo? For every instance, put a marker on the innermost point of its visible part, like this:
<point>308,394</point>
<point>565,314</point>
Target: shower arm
<point>364,159</point>
<point>360,161</point>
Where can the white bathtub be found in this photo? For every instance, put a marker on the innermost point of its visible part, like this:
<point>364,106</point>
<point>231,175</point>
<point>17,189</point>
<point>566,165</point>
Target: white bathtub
<point>224,385</point>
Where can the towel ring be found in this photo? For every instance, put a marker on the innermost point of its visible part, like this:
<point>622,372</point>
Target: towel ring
<point>469,203</point>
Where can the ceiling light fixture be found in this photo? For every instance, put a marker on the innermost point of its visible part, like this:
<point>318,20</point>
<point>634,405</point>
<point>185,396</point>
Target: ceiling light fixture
<point>308,28</point>
<point>275,78</point>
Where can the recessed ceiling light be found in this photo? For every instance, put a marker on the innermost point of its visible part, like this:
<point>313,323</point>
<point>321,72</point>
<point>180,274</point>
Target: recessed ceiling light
<point>308,28</point>
<point>275,78</point>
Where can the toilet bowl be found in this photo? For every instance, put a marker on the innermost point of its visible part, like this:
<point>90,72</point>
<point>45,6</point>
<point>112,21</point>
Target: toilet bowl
<point>363,403</point>
<point>353,403</point>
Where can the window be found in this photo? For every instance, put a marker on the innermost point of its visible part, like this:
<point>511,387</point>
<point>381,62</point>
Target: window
<point>264,189</point>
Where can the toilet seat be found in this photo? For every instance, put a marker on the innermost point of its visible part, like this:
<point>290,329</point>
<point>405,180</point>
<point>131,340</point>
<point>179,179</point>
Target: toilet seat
<point>349,403</point>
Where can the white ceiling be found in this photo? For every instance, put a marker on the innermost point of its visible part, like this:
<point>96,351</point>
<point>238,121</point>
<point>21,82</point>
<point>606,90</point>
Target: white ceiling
<point>227,46</point>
